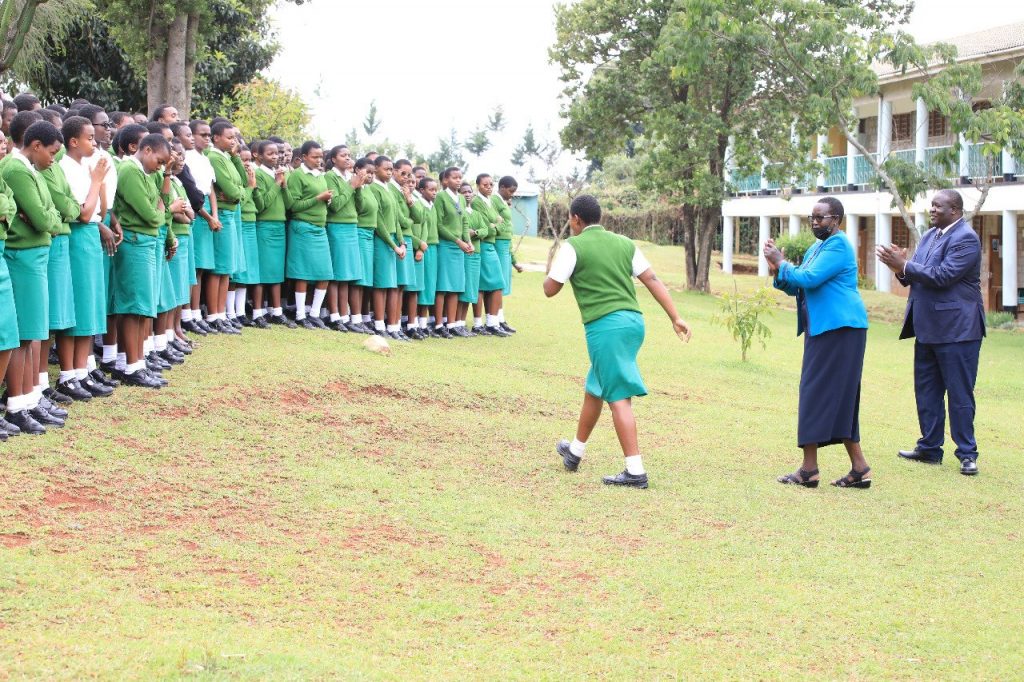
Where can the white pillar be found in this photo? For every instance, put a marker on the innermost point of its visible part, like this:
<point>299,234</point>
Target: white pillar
<point>853,230</point>
<point>763,233</point>
<point>727,247</point>
<point>851,161</point>
<point>965,157</point>
<point>764,179</point>
<point>794,224</point>
<point>1009,249</point>
<point>883,235</point>
<point>921,222</point>
<point>1009,163</point>
<point>884,129</point>
<point>730,159</point>
<point>921,130</point>
<point>822,158</point>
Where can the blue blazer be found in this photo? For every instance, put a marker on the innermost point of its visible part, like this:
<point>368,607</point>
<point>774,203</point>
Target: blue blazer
<point>944,276</point>
<point>827,277</point>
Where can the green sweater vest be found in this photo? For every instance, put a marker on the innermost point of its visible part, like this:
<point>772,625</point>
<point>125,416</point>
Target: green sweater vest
<point>229,178</point>
<point>136,200</point>
<point>342,208</point>
<point>452,223</point>
<point>63,199</point>
<point>32,199</point>
<point>366,208</point>
<point>387,223</point>
<point>272,202</point>
<point>304,188</point>
<point>603,279</point>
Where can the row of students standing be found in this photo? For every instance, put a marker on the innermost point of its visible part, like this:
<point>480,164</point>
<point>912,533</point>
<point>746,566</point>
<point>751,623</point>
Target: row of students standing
<point>184,229</point>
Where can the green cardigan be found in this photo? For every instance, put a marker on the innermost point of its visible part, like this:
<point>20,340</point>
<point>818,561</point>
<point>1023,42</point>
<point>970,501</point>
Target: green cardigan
<point>229,178</point>
<point>272,201</point>
<point>367,208</point>
<point>63,200</point>
<point>8,208</point>
<point>478,221</point>
<point>304,188</point>
<point>178,192</point>
<point>502,210</point>
<point>136,203</point>
<point>490,216</point>
<point>33,202</point>
<point>402,213</point>
<point>342,207</point>
<point>426,221</point>
<point>387,224</point>
<point>451,224</point>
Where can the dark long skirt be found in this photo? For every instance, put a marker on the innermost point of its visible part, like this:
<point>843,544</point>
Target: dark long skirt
<point>830,387</point>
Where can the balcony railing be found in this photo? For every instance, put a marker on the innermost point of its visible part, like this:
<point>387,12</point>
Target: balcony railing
<point>979,166</point>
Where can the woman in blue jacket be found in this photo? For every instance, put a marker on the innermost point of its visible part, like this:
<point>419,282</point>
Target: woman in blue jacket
<point>831,312</point>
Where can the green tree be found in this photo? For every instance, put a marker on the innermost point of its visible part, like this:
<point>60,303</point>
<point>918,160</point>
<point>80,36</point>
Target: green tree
<point>527,148</point>
<point>741,315</point>
<point>27,25</point>
<point>371,124</point>
<point>496,120</point>
<point>448,154</point>
<point>262,108</point>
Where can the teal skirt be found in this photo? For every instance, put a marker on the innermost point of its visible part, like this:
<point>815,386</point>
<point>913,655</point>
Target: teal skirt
<point>429,269</point>
<point>365,236</point>
<point>472,291</point>
<point>270,248</point>
<point>108,271</point>
<point>419,269</point>
<point>408,267</point>
<point>612,344</point>
<point>451,267</point>
<point>385,265</point>
<point>61,287</point>
<point>345,256</point>
<point>8,313</point>
<point>181,285</point>
<point>166,294</point>
<point>309,253</point>
<point>250,272</point>
<point>88,272</point>
<point>239,241</point>
<point>225,243</point>
<point>27,269</point>
<point>202,240</point>
<point>191,265</point>
<point>491,276</point>
<point>134,278</point>
<point>503,247</point>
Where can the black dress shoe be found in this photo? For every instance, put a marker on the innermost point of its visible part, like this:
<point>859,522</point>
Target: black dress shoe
<point>157,365</point>
<point>398,336</point>
<point>305,323</point>
<point>111,369</point>
<point>497,331</point>
<point>462,332</point>
<point>505,326</point>
<point>968,467</point>
<point>96,389</point>
<point>244,321</point>
<point>100,377</point>
<point>182,347</point>
<point>192,328</point>
<point>157,377</point>
<point>444,332</point>
<point>53,409</point>
<point>25,423</point>
<point>316,322</point>
<point>45,418</point>
<point>571,461</point>
<point>261,323</point>
<point>225,327</point>
<point>235,322</point>
<point>208,327</point>
<point>916,455</point>
<point>626,479</point>
<point>74,390</point>
<point>171,357</point>
<point>143,379</point>
<point>9,428</point>
<point>57,397</point>
<point>338,326</point>
<point>281,320</point>
<point>479,330</point>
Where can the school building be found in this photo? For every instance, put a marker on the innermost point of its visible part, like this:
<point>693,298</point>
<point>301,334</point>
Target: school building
<point>895,123</point>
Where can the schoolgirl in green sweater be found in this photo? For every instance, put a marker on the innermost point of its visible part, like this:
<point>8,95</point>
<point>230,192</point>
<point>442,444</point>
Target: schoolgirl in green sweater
<point>492,277</point>
<point>309,252</point>
<point>453,246</point>
<point>426,193</point>
<point>272,201</point>
<point>367,209</point>
<point>343,236</point>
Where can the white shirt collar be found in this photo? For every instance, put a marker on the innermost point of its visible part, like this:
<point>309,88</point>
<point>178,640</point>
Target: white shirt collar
<point>267,171</point>
<point>218,151</point>
<point>315,172</point>
<point>453,195</point>
<point>947,228</point>
<point>138,163</point>
<point>469,209</point>
<point>423,200</point>
<point>486,200</point>
<point>24,159</point>
<point>339,173</point>
<point>377,181</point>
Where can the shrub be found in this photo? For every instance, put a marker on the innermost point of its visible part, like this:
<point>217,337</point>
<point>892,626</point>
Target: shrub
<point>999,319</point>
<point>741,315</point>
<point>795,246</point>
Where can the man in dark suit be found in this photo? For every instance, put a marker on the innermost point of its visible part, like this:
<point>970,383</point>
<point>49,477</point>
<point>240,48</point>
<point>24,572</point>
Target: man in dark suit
<point>946,314</point>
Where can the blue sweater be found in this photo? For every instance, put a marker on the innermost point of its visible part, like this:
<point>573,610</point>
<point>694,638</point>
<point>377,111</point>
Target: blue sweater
<point>828,279</point>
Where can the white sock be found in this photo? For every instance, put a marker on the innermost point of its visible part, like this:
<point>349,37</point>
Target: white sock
<point>492,320</point>
<point>121,361</point>
<point>170,335</point>
<point>81,374</point>
<point>335,317</point>
<point>451,325</point>
<point>90,362</point>
<point>212,317</point>
<point>186,314</point>
<point>444,320</point>
<point>134,367</point>
<point>345,318</point>
<point>501,315</point>
<point>392,327</point>
<point>197,314</point>
<point>67,376</point>
<point>44,379</point>
<point>378,325</point>
<point>147,346</point>
<point>635,465</point>
<point>35,396</point>
<point>577,448</point>
<point>231,303</point>
<point>478,321</point>
<point>300,305</point>
<point>110,353</point>
<point>240,301</point>
<point>462,323</point>
<point>160,343</point>
<point>318,301</point>
<point>357,319</point>
<point>279,312</point>
<point>259,312</point>
<point>16,403</point>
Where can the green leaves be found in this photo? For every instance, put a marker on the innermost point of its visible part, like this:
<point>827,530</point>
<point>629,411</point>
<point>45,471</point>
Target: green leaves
<point>261,108</point>
<point>741,314</point>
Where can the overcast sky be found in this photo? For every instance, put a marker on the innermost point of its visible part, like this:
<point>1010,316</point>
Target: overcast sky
<point>432,66</point>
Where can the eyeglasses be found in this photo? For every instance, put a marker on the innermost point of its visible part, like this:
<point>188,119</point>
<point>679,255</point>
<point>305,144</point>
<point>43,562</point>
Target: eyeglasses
<point>106,124</point>
<point>819,218</point>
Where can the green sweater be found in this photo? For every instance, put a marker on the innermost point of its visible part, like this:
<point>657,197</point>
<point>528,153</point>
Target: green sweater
<point>304,188</point>
<point>367,208</point>
<point>387,224</point>
<point>426,220</point>
<point>63,199</point>
<point>502,210</point>
<point>229,178</point>
<point>8,208</point>
<point>342,207</point>
<point>402,213</point>
<point>602,281</point>
<point>178,192</point>
<point>478,223</point>
<point>452,223</point>
<point>136,203</point>
<point>248,205</point>
<point>36,218</point>
<point>272,201</point>
<point>490,216</point>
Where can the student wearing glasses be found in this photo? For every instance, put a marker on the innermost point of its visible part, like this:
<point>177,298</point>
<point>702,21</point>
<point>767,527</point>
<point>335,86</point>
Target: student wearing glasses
<point>831,312</point>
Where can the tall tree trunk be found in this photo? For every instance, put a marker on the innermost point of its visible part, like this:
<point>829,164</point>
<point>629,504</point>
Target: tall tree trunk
<point>705,240</point>
<point>190,62</point>
<point>690,217</point>
<point>166,73</point>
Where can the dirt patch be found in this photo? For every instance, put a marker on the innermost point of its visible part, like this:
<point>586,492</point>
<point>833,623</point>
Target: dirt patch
<point>75,500</point>
<point>14,540</point>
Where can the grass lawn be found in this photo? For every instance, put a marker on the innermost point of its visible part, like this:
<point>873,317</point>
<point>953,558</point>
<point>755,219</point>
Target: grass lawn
<point>294,507</point>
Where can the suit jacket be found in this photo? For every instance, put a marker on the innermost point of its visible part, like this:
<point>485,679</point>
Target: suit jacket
<point>827,278</point>
<point>944,276</point>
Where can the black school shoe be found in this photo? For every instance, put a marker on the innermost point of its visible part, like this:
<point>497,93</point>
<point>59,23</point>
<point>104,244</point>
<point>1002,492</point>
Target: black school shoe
<point>192,328</point>
<point>143,379</point>
<point>444,333</point>
<point>338,326</point>
<point>281,320</point>
<point>497,331</point>
<point>8,428</point>
<point>171,356</point>
<point>571,461</point>
<point>260,322</point>
<point>74,390</point>
<point>96,389</point>
<point>182,347</point>
<point>25,423</point>
<point>235,322</point>
<point>206,326</point>
<point>225,327</point>
<point>56,396</point>
<point>100,377</point>
<point>505,326</point>
<point>316,322</point>
<point>626,479</point>
<point>45,418</point>
<point>55,410</point>
<point>461,332</point>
